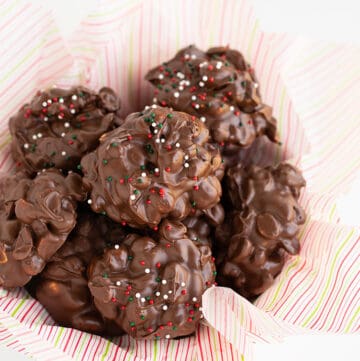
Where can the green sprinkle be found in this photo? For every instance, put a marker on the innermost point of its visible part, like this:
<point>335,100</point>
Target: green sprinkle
<point>142,317</point>
<point>139,180</point>
<point>105,275</point>
<point>158,279</point>
<point>169,115</point>
<point>131,298</point>
<point>79,166</point>
<point>67,157</point>
<point>193,203</point>
<point>74,136</point>
<point>160,86</point>
<point>52,153</point>
<point>160,125</point>
<point>132,324</point>
<point>136,191</point>
<point>130,258</point>
<point>113,144</point>
<point>87,114</point>
<point>174,328</point>
<point>147,120</point>
<point>81,94</point>
<point>142,167</point>
<point>167,90</point>
<point>105,161</point>
<point>103,213</point>
<point>174,86</point>
<point>214,273</point>
<point>243,84</point>
<point>152,115</point>
<point>109,178</point>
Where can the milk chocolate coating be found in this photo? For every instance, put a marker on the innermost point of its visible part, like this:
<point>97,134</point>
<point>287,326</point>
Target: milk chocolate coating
<point>152,287</point>
<point>59,126</point>
<point>158,164</point>
<point>62,288</point>
<point>220,88</point>
<point>36,218</point>
<point>261,229</point>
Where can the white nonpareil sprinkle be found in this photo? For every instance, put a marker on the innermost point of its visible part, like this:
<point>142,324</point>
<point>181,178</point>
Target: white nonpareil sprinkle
<point>154,106</point>
<point>63,135</point>
<point>143,174</point>
<point>89,201</point>
<point>26,145</point>
<point>256,85</point>
<point>176,94</point>
<point>203,119</point>
<point>156,170</point>
<point>147,270</point>
<point>170,292</point>
<point>157,294</point>
<point>177,145</point>
<point>187,82</point>
<point>186,157</point>
<point>60,116</point>
<point>194,299</point>
<point>197,106</point>
<point>180,75</point>
<point>183,284</point>
<point>39,135</point>
<point>157,140</point>
<point>155,131</point>
<point>153,124</point>
<point>181,88</point>
<point>161,76</point>
<point>164,282</point>
<point>66,124</point>
<point>34,137</point>
<point>204,63</point>
<point>116,246</point>
<point>118,283</point>
<point>204,78</point>
<point>167,336</point>
<point>137,295</point>
<point>61,100</point>
<point>49,101</point>
<point>147,107</point>
<point>163,140</point>
<point>186,165</point>
<point>133,197</point>
<point>232,108</point>
<point>72,111</point>
<point>186,56</point>
<point>218,65</point>
<point>193,56</point>
<point>74,97</point>
<point>165,307</point>
<point>46,119</point>
<point>154,100</point>
<point>201,84</point>
<point>63,153</point>
<point>165,297</point>
<point>44,104</point>
<point>193,97</point>
<point>142,299</point>
<point>200,308</point>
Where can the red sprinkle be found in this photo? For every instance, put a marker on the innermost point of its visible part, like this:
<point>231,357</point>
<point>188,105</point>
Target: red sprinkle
<point>113,299</point>
<point>196,188</point>
<point>192,89</point>
<point>168,245</point>
<point>189,319</point>
<point>44,110</point>
<point>168,227</point>
<point>169,323</point>
<point>55,99</point>
<point>161,327</point>
<point>142,263</point>
<point>148,201</point>
<point>156,228</point>
<point>151,302</point>
<point>133,328</point>
<point>149,329</point>
<point>123,223</point>
<point>163,103</point>
<point>149,136</point>
<point>210,67</point>
<point>72,106</point>
<point>183,292</point>
<point>129,287</point>
<point>195,178</point>
<point>71,142</point>
<point>127,293</point>
<point>168,147</point>
<point>191,312</point>
<point>167,169</point>
<point>121,180</point>
<point>123,307</point>
<point>236,112</point>
<point>158,265</point>
<point>152,190</point>
<point>211,79</point>
<point>129,137</point>
<point>187,304</point>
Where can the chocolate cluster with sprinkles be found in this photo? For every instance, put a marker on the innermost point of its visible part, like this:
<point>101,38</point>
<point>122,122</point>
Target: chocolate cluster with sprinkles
<point>59,126</point>
<point>36,218</point>
<point>220,88</point>
<point>62,288</point>
<point>152,286</point>
<point>158,164</point>
<point>260,228</point>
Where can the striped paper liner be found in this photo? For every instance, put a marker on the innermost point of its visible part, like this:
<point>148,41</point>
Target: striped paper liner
<point>311,87</point>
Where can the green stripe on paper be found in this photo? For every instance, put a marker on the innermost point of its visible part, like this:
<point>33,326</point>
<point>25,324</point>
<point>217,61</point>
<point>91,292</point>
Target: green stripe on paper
<point>61,330</point>
<point>108,344</point>
<point>348,327</point>
<point>17,308</point>
<point>155,349</point>
<point>313,313</point>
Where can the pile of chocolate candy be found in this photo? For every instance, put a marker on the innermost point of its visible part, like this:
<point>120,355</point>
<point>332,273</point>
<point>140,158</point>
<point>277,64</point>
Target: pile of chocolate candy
<point>120,225</point>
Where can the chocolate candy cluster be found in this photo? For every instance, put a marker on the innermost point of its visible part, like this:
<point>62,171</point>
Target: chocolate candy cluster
<point>120,225</point>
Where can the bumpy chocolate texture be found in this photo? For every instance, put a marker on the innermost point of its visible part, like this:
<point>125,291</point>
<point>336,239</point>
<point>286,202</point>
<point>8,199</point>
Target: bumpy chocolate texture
<point>36,218</point>
<point>59,126</point>
<point>262,227</point>
<point>63,285</point>
<point>152,287</point>
<point>220,88</point>
<point>158,164</point>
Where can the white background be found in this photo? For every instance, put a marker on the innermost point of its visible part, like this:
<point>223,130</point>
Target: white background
<point>335,21</point>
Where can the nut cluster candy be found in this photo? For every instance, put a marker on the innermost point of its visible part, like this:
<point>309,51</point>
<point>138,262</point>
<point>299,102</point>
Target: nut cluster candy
<point>59,126</point>
<point>158,164</point>
<point>220,88</point>
<point>36,218</point>
<point>152,286</point>
<point>261,226</point>
<point>63,286</point>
